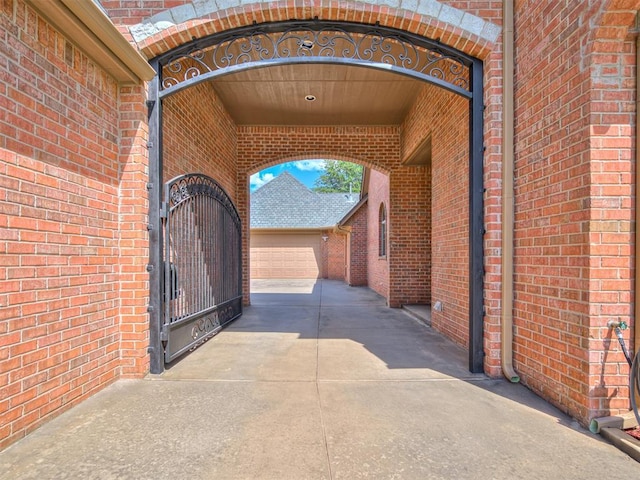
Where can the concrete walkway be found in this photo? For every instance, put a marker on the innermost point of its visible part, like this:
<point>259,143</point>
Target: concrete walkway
<point>316,382</point>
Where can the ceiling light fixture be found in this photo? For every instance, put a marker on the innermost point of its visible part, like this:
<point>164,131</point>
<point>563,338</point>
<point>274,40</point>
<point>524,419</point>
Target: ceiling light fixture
<point>310,98</point>
<point>308,44</point>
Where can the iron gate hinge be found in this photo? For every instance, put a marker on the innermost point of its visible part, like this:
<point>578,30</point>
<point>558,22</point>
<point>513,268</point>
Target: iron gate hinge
<point>163,210</point>
<point>164,335</point>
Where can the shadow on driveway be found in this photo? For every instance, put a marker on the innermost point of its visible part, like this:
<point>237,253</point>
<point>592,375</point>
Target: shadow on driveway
<point>316,381</point>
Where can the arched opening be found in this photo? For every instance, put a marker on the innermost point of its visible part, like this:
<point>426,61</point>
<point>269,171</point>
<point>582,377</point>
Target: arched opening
<point>263,58</point>
<point>296,211</point>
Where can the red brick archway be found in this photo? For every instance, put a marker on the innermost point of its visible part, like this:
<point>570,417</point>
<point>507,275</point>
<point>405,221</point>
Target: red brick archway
<point>471,29</point>
<point>402,211</point>
<point>122,157</point>
<point>351,11</point>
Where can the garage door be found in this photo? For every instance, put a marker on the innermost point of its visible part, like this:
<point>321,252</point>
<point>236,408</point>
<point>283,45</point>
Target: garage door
<point>285,256</point>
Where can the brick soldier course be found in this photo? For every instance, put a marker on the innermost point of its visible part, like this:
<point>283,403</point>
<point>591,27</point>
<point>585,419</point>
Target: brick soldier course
<point>74,201</point>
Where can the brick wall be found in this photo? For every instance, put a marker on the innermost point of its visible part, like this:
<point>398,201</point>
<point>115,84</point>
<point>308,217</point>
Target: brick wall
<point>612,117</point>
<point>410,236</point>
<point>333,252</point>
<point>572,95</point>
<point>125,12</point>
<point>439,206</point>
<point>574,205</point>
<point>60,179</point>
<point>213,21</point>
<point>134,243</point>
<point>336,260</point>
<point>358,240</point>
<point>260,147</point>
<point>551,245</point>
<point>493,211</point>
<point>378,266</point>
<point>224,15</point>
<point>555,232</point>
<point>324,257</point>
<point>73,166</point>
<point>199,136</point>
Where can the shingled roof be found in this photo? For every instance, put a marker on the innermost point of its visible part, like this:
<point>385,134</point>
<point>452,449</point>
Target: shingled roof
<point>284,202</point>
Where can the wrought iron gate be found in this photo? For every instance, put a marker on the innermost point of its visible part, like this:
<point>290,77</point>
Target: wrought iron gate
<point>202,262</point>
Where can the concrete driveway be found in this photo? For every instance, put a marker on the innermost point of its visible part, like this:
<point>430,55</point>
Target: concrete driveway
<point>316,381</point>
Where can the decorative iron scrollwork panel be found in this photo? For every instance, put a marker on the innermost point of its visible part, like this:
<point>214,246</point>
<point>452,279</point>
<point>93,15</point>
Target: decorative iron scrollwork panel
<point>190,333</point>
<point>316,41</point>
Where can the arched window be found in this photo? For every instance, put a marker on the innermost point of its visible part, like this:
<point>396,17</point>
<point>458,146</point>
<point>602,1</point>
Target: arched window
<point>382,231</point>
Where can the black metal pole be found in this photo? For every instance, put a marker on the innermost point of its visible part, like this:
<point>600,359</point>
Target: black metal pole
<point>154,188</point>
<point>476,223</point>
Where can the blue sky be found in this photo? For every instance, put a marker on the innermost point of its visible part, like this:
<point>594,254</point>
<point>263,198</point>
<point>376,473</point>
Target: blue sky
<point>304,170</point>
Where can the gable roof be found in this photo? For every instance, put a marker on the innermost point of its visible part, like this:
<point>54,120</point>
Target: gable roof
<point>284,202</point>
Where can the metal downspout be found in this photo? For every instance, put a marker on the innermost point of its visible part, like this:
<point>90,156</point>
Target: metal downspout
<point>506,350</point>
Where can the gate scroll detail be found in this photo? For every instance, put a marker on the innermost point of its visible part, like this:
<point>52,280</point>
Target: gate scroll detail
<point>202,262</point>
<point>315,41</point>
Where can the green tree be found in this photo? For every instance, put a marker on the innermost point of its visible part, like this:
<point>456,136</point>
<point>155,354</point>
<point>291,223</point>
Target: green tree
<point>338,177</point>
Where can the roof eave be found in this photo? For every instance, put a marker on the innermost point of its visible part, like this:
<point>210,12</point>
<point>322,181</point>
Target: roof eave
<point>289,229</point>
<point>90,29</point>
<point>353,211</point>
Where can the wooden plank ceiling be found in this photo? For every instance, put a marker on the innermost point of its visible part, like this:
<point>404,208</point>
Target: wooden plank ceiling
<point>343,95</point>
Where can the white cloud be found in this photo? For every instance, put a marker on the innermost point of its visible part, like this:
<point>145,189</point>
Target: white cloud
<point>258,179</point>
<point>309,165</point>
